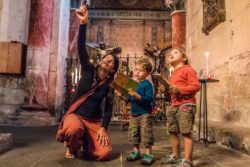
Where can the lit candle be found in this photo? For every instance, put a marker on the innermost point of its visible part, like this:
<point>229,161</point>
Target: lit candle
<point>76,76</point>
<point>206,56</point>
<point>171,70</point>
<point>80,71</point>
<point>72,80</point>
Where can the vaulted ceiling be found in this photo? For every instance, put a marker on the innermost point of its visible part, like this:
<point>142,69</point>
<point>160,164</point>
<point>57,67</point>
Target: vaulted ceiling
<point>129,4</point>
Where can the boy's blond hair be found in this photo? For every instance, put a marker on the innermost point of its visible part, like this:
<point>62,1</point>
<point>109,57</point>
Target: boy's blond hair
<point>146,64</point>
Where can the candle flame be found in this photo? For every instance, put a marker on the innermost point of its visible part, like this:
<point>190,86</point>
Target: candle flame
<point>206,53</point>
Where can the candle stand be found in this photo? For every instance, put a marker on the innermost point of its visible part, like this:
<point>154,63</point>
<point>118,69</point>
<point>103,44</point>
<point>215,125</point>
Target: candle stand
<point>203,111</point>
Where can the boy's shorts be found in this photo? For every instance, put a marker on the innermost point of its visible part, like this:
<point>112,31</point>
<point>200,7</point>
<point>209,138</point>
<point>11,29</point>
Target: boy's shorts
<point>180,119</point>
<point>141,129</point>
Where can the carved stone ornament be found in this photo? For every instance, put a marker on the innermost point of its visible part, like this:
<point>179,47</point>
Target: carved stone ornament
<point>107,3</point>
<point>213,14</point>
<point>148,4</point>
<point>128,2</point>
<point>174,5</point>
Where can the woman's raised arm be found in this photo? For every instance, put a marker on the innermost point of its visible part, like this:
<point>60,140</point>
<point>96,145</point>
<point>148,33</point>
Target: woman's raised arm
<point>82,14</point>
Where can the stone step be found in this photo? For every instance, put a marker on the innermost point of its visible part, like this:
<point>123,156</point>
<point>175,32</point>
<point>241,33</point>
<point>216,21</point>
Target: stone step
<point>30,114</point>
<point>31,119</point>
<point>233,136</point>
<point>6,141</point>
<point>34,107</point>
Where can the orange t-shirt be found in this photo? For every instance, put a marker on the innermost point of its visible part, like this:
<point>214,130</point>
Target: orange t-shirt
<point>185,79</point>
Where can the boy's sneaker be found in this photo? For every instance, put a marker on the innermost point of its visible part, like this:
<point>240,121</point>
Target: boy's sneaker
<point>170,159</point>
<point>147,159</point>
<point>134,156</point>
<point>183,163</point>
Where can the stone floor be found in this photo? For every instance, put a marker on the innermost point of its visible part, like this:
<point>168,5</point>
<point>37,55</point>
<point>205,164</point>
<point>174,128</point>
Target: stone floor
<point>36,147</point>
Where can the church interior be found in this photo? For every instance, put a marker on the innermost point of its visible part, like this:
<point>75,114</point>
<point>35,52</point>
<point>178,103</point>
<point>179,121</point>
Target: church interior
<point>40,71</point>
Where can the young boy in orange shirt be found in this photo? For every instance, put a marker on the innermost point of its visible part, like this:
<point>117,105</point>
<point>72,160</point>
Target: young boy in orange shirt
<point>184,84</point>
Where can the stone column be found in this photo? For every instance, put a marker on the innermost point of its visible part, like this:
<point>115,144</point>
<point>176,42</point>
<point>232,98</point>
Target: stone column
<point>179,28</point>
<point>40,32</point>
<point>73,32</point>
<point>178,22</point>
<point>58,54</point>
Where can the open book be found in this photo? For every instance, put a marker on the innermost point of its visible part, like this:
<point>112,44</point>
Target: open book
<point>161,80</point>
<point>122,83</point>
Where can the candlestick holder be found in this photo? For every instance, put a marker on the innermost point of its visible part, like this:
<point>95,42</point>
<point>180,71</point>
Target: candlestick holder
<point>72,77</point>
<point>209,77</point>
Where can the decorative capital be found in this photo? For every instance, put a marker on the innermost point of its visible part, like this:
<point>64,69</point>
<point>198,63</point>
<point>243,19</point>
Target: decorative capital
<point>174,5</point>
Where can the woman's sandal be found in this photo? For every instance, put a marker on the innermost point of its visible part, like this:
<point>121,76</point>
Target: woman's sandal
<point>69,155</point>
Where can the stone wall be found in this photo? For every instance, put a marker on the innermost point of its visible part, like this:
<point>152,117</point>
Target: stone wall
<point>131,35</point>
<point>14,20</point>
<point>229,60</point>
<point>131,4</point>
<point>42,87</point>
<point>1,11</point>
<point>13,27</point>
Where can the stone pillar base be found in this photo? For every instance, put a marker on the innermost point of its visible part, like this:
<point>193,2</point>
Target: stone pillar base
<point>31,119</point>
<point>31,116</point>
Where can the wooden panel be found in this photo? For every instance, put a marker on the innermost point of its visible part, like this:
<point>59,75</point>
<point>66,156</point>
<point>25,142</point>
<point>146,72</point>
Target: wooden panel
<point>14,58</point>
<point>3,57</point>
<point>11,58</point>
